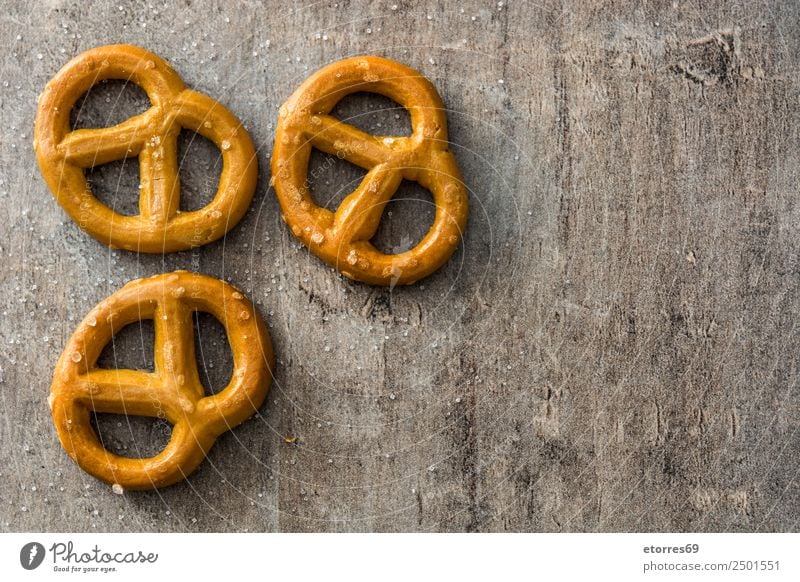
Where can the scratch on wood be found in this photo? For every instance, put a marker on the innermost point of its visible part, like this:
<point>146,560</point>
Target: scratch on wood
<point>734,422</point>
<point>658,427</point>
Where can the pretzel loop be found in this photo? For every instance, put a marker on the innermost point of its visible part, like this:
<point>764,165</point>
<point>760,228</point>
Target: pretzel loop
<point>173,391</point>
<point>151,136</point>
<point>342,238</point>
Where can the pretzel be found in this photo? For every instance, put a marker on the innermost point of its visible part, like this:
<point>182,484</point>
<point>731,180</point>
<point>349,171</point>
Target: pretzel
<point>151,136</point>
<point>341,239</point>
<point>173,391</point>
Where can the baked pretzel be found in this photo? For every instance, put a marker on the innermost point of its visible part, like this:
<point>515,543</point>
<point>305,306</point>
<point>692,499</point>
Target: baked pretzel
<point>173,391</point>
<point>341,239</point>
<point>152,136</point>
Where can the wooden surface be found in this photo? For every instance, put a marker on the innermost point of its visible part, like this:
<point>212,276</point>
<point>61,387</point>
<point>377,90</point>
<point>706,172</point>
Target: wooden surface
<point>613,348</point>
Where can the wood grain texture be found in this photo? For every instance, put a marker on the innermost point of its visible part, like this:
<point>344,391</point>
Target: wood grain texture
<point>613,348</point>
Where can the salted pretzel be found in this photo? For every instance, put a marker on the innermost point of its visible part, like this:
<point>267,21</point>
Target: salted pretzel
<point>152,136</point>
<point>341,239</point>
<point>173,391</point>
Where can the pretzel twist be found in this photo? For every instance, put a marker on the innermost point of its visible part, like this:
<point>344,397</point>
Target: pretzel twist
<point>173,391</point>
<point>152,136</point>
<point>341,239</point>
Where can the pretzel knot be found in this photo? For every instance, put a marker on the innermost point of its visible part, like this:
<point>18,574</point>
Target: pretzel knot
<point>173,391</point>
<point>152,136</point>
<point>342,238</point>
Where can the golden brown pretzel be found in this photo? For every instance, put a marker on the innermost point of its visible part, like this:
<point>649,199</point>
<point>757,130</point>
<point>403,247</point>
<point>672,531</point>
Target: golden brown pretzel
<point>151,136</point>
<point>173,391</point>
<point>342,238</point>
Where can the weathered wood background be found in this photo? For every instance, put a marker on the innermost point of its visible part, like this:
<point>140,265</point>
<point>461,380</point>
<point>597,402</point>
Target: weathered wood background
<point>615,346</point>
